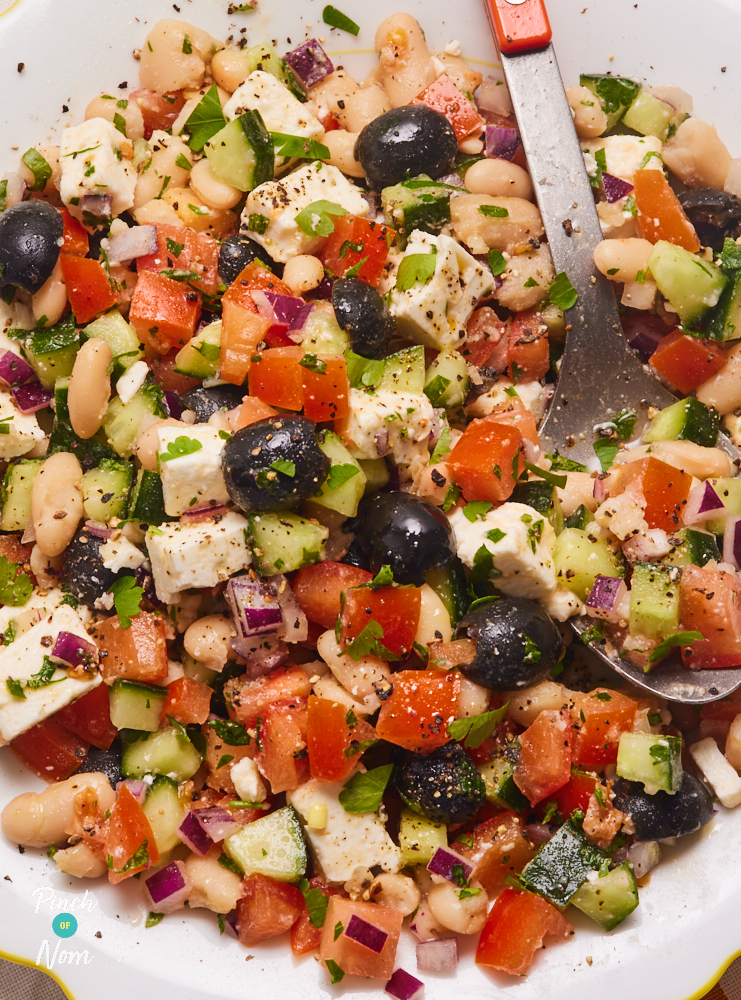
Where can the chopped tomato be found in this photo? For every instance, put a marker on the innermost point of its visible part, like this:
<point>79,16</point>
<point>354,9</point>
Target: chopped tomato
<point>710,603</point>
<point>14,550</point>
<point>318,589</point>
<point>514,930</point>
<point>129,841</point>
<point>305,937</point>
<point>267,908</point>
<point>90,718</point>
<point>326,389</point>
<point>598,720</point>
<point>575,794</point>
<point>544,764</point>
<point>257,277</point>
<point>514,413</point>
<point>487,340</point>
<point>242,329</point>
<point>138,653</point>
<point>529,357</point>
<point>164,312</point>
<point>163,373</point>
<point>75,236</point>
<point>282,755</point>
<point>182,249</point>
<point>500,850</point>
<point>89,289</point>
<point>351,956</point>
<point>725,710</point>
<point>687,362</point>
<point>395,609</point>
<point>355,240</point>
<point>417,713</point>
<point>334,738</point>
<point>445,97</point>
<point>250,700</point>
<point>664,488</point>
<point>660,214</point>
<point>50,750</point>
<point>275,377</point>
<point>187,701</point>
<point>252,410</point>
<point>487,460</point>
<point>158,110</point>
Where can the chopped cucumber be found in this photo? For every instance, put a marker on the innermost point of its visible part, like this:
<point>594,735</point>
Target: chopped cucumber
<point>451,587</point>
<point>687,420</point>
<point>543,497</point>
<point>272,845</point>
<point>404,371</point>
<point>121,423</point>
<point>691,547</point>
<point>51,353</point>
<point>692,285</point>
<point>420,837</point>
<point>165,812</point>
<point>196,670</point>
<point>89,451</point>
<point>580,557</point>
<point>122,337</point>
<point>724,322</point>
<point>376,473</point>
<point>729,491</point>
<point>202,356</point>
<point>654,600</point>
<point>344,490</point>
<point>425,208</point>
<point>616,94</point>
<point>167,751</point>
<point>106,490</point>
<point>148,502</point>
<point>498,777</point>
<point>446,380</point>
<point>563,865</point>
<point>136,706</point>
<point>655,761</point>
<point>265,58</point>
<point>322,334</point>
<point>581,517</point>
<point>242,153</point>
<point>650,116</point>
<point>283,542</point>
<point>17,483</point>
<point>608,899</point>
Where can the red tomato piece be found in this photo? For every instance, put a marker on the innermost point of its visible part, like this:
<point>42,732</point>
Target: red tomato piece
<point>514,413</point>
<point>50,750</point>
<point>529,357</point>
<point>90,718</point>
<point>487,460</point>
<point>710,603</point>
<point>574,795</point>
<point>598,720</point>
<point>544,764</point>
<point>282,737</point>
<point>500,850</point>
<point>660,214</point>
<point>248,701</point>
<point>331,740</point>
<point>138,653</point>
<point>127,835</point>
<point>75,236</point>
<point>326,393</point>
<point>445,97</point>
<point>724,710</point>
<point>354,958</point>
<point>13,549</point>
<point>256,277</point>
<point>242,326</point>
<point>487,340</point>
<point>318,589</point>
<point>514,930</point>
<point>305,937</point>
<point>643,327</point>
<point>419,709</point>
<point>664,488</point>
<point>89,289</point>
<point>184,249</point>
<point>164,312</point>
<point>162,368</point>
<point>687,362</point>
<point>354,240</point>
<point>187,701</point>
<point>275,377</point>
<point>252,410</point>
<point>158,110</point>
<point>267,908</point>
<point>395,609</point>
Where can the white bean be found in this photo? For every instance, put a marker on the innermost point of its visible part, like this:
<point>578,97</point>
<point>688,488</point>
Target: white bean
<point>341,146</point>
<point>462,916</point>
<point>46,818</point>
<point>327,95</point>
<point>212,191</point>
<point>579,489</point>
<point>90,387</point>
<point>526,279</point>
<point>357,677</point>
<point>697,156</point>
<point>524,706</point>
<point>473,699</point>
<point>482,233</point>
<point>108,107</point>
<point>733,744</point>
<point>471,145</point>
<point>168,63</point>
<point>230,68</point>
<point>208,641</point>
<point>56,502</point>
<point>80,862</point>
<point>166,151</point>
<point>395,892</point>
<point>156,211</point>
<point>723,390</point>
<point>589,118</point>
<point>499,178</point>
<point>214,887</point>
<point>47,571</point>
<point>406,65</point>
<point>302,273</point>
<point>465,78</point>
<point>692,458</point>
<point>621,260</point>
<point>434,620</point>
<point>361,108</point>
<point>51,299</point>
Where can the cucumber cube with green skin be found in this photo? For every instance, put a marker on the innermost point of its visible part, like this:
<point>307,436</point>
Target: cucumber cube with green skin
<point>165,812</point>
<point>148,502</point>
<point>346,493</point>
<point>691,547</point>
<point>686,420</point>
<point>51,353</point>
<point>655,761</point>
<point>242,153</point>
<point>322,334</point>
<point>272,845</point>
<point>125,347</point>
<point>616,94</point>
<point>446,380</point>
<point>581,518</point>
<point>167,751</point>
<point>654,600</point>
<point>376,473</point>
<point>692,285</point>
<point>608,899</point>
<point>451,587</point>
<point>580,557</point>
<point>265,58</point>
<point>498,777</point>
<point>106,490</point>
<point>121,423</point>
<point>16,498</point>
<point>724,322</point>
<point>544,498</point>
<point>420,837</point>
<point>408,208</point>
<point>729,491</point>
<point>650,116</point>
<point>284,542</point>
<point>201,357</point>
<point>562,866</point>
<point>136,706</point>
<point>404,372</point>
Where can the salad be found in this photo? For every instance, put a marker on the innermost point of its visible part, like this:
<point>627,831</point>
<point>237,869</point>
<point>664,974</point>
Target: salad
<point>285,575</point>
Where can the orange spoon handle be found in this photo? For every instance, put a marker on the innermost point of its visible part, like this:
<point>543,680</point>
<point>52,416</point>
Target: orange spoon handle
<point>519,25</point>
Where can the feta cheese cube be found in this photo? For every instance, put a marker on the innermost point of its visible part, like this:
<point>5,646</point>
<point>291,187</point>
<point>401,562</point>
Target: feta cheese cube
<point>196,555</point>
<point>521,542</point>
<point>194,479</point>
<point>20,431</point>
<point>246,777</point>
<point>435,313</point>
<point>386,422</point>
<point>561,604</point>
<point>724,779</point>
<point>348,840</point>
<point>281,201</point>
<point>95,158</point>
<point>624,154</point>
<point>131,381</point>
<point>119,553</point>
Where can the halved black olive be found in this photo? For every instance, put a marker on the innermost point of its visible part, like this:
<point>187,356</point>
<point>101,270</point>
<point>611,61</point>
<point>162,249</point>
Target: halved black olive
<point>360,310</point>
<point>107,762</point>
<point>714,214</point>
<point>445,785</point>
<point>237,252</point>
<point>405,142</point>
<point>662,815</point>
<point>205,401</point>
<point>30,241</point>
<point>86,576</point>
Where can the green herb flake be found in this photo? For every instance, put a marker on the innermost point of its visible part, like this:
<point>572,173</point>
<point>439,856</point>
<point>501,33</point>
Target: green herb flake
<point>367,643</point>
<point>298,148</point>
<point>205,120</point>
<point>562,293</point>
<point>38,166</point>
<point>225,759</point>
<point>315,219</point>
<point>44,676</point>
<point>226,862</point>
<point>232,733</point>
<point>139,859</point>
<point>257,223</point>
<point>531,283</point>
<point>15,587</point>
<point>179,447</point>
<point>678,639</point>
<point>284,466</point>
<point>606,451</point>
<point>335,971</point>
<point>220,922</point>
<point>591,634</point>
<point>363,373</point>
<point>182,161</point>
<point>548,477</point>
<point>442,448</point>
<point>119,123</point>
<point>340,474</point>
<point>600,795</point>
<point>493,211</point>
<point>364,791</point>
<point>15,688</point>
<point>415,267</point>
<point>338,929</point>
<point>313,363</point>
<point>127,598</point>
<point>478,728</point>
<point>154,918</point>
<point>316,903</point>
<point>561,464</point>
<point>497,262</point>
<point>336,19</point>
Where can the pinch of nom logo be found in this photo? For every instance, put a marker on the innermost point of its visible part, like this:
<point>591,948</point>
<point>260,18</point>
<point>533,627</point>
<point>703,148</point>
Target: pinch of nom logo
<point>64,925</point>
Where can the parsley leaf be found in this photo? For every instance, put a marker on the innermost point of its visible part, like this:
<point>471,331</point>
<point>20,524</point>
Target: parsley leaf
<point>316,903</point>
<point>730,256</point>
<point>172,247</point>
<point>127,599</point>
<point>367,642</point>
<point>442,448</point>
<point>561,464</point>
<point>184,163</point>
<point>338,929</point>
<point>226,862</point>
<point>493,211</point>
<point>336,19</point>
<point>226,758</point>
<point>257,223</point>
<point>334,970</point>
<point>606,450</point>
<point>154,918</point>
<point>497,263</point>
<point>38,166</point>
<point>313,363</point>
<point>205,120</point>
<point>495,535</point>
<point>477,510</point>
<point>298,148</point>
<point>364,791</point>
<point>678,639</point>
<point>314,220</point>
<point>549,477</point>
<point>43,677</point>
<point>340,474</point>
<point>363,373</point>
<point>284,466</point>
<point>180,446</point>
<point>354,271</point>
<point>415,267</point>
<point>14,590</point>
<point>15,688</point>
<point>477,728</point>
<point>436,388</point>
<point>138,859</point>
<point>232,733</point>
<point>562,293</point>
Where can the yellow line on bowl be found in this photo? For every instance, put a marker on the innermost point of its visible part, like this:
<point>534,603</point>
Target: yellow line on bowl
<point>715,978</point>
<point>9,8</point>
<point>27,961</point>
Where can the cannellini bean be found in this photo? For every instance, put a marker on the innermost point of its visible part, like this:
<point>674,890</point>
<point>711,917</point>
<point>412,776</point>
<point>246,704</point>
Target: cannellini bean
<point>462,916</point>
<point>589,118</point>
<point>90,387</point>
<point>639,294</point>
<point>212,191</point>
<point>196,214</point>
<point>341,146</point>
<point>156,211</point>
<point>47,571</point>
<point>303,272</point>
<point>108,107</point>
<point>525,705</point>
<point>327,687</point>
<point>499,178</point>
<point>208,641</point>
<point>473,699</point>
<point>434,620</point>
<point>42,819</point>
<point>723,390</point>
<point>693,458</point>
<point>396,892</point>
<point>406,65</point>
<point>482,233</point>
<point>697,156</point>
<point>361,108</point>
<point>51,155</point>
<point>51,299</point>
<point>214,887</point>
<point>517,291</point>
<point>166,64</point>
<point>327,95</point>
<point>146,444</point>
<point>166,150</point>
<point>733,744</point>
<point>579,489</point>
<point>230,68</point>
<point>357,677</point>
<point>80,862</point>
<point>621,260</point>
<point>56,502</point>
<point>424,925</point>
<point>471,145</point>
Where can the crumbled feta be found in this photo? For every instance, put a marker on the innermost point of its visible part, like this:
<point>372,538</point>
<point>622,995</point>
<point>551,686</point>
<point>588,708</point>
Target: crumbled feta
<point>246,777</point>
<point>348,840</point>
<point>193,479</point>
<point>95,159</point>
<point>196,555</point>
<point>281,201</point>
<point>624,154</point>
<point>724,779</point>
<point>131,381</point>
<point>561,604</point>
<point>385,422</point>
<point>532,395</point>
<point>20,431</point>
<point>119,553</point>
<point>435,313</point>
<point>521,541</point>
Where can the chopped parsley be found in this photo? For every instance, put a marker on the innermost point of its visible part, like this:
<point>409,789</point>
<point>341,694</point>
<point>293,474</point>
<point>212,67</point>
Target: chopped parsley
<point>562,293</point>
<point>299,148</point>
<point>364,791</point>
<point>340,474</point>
<point>15,587</point>
<point>493,211</point>
<point>415,267</point>
<point>678,639</point>
<point>180,446</point>
<point>127,598</point>
<point>315,219</point>
<point>478,728</point>
<point>336,19</point>
<point>205,120</point>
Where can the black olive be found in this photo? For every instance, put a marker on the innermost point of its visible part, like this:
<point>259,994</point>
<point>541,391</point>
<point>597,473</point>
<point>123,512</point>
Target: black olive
<point>274,464</point>
<point>360,310</point>
<point>108,762</point>
<point>445,785</point>
<point>662,815</point>
<point>86,576</point>
<point>355,556</point>
<point>403,532</point>
<point>30,240</point>
<point>714,214</point>
<point>204,402</point>
<point>516,642</point>
<point>237,252</point>
<point>404,142</point>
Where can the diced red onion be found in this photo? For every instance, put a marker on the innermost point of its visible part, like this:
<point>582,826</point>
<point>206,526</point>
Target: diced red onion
<point>230,919</point>
<point>402,986</point>
<point>98,530</point>
<point>295,627</point>
<point>32,397</point>
<point>282,311</point>
<point>703,502</point>
<point>373,201</point>
<point>135,242</point>
<point>324,288</point>
<point>643,857</point>
<point>493,96</point>
<point>97,204</point>
<point>381,440</point>
<point>732,541</point>
<point>145,580</point>
<point>647,546</point>
<point>369,935</point>
<point>437,956</point>
<point>217,823</point>
<point>197,514</point>
<point>310,62</point>
<point>254,609</point>
<point>531,451</point>
<point>502,143</point>
<point>73,650</point>
<point>194,836</point>
<point>137,788</point>
<point>444,861</point>
<point>14,370</point>
<point>599,490</point>
<point>262,654</point>
<point>615,187</point>
<point>644,333</point>
<point>538,833</point>
<point>169,888</point>
<point>172,404</point>
<point>606,597</point>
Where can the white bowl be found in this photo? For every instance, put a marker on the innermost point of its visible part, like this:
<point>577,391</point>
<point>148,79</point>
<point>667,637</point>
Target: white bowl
<point>685,931</point>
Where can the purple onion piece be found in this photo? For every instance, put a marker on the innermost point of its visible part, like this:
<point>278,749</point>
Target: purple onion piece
<point>381,441</point>
<point>32,397</point>
<point>284,308</point>
<point>647,546</point>
<point>539,833</point>
<point>502,143</point>
<point>299,320</point>
<point>599,490</point>
<point>262,654</point>
<point>208,513</point>
<point>98,530</point>
<point>437,956</point>
<point>615,187</point>
<point>136,242</point>
<point>14,370</point>
<point>606,598</point>
<point>254,608</point>
<point>402,986</point>
<point>310,62</point>
<point>172,404</point>
<point>644,340</point>
<point>295,626</point>
<point>230,919</point>
<point>145,580</point>
<point>732,541</point>
<point>217,823</point>
<point>443,863</point>
<point>493,96</point>
<point>369,935</point>
<point>324,288</point>
<point>73,650</point>
<point>194,836</point>
<point>137,788</point>
<point>703,502</point>
<point>165,882</point>
<point>97,204</point>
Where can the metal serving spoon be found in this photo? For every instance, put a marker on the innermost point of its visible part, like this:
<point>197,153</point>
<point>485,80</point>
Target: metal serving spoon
<point>600,375</point>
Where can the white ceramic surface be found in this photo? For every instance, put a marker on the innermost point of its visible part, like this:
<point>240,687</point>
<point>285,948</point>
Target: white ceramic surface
<point>687,927</point>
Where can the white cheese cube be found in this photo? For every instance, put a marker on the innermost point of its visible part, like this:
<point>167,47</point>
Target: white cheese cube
<point>197,555</point>
<point>521,541</point>
<point>435,313</point>
<point>561,604</point>
<point>20,431</point>
<point>624,154</point>
<point>246,777</point>
<point>24,657</point>
<point>386,422</point>
<point>281,201</point>
<point>349,839</point>
<point>131,381</point>
<point>724,779</point>
<point>193,479</point>
<point>119,553</point>
<point>95,159</point>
